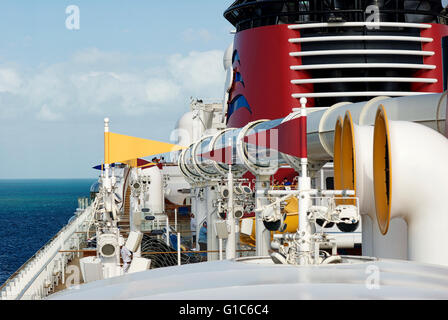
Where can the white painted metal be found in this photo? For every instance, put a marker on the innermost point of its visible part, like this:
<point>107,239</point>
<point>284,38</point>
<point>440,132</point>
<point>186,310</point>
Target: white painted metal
<point>374,244</point>
<point>419,182</point>
<point>175,219</point>
<point>183,132</point>
<point>359,24</point>
<point>201,211</point>
<point>393,245</point>
<point>363,136</point>
<point>304,203</point>
<point>421,109</point>
<point>175,181</point>
<point>224,134</point>
<point>362,65</point>
<point>227,58</point>
<point>178,250</point>
<point>110,263</point>
<point>155,199</point>
<point>91,269</point>
<point>262,235</point>
<point>360,38</point>
<point>231,239</point>
<point>320,128</point>
<point>106,180</point>
<point>242,155</point>
<point>363,79</point>
<point>196,150</point>
<point>361,51</point>
<point>358,94</point>
<point>139,264</point>
<point>167,231</point>
<point>212,217</point>
<point>133,241</point>
<point>190,177</point>
<point>28,284</point>
<point>194,210</point>
<point>260,279</point>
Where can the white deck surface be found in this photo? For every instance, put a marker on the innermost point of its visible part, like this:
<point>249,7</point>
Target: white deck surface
<point>261,279</point>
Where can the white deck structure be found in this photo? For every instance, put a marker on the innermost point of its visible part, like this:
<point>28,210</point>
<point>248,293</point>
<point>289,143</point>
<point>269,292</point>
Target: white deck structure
<point>259,278</point>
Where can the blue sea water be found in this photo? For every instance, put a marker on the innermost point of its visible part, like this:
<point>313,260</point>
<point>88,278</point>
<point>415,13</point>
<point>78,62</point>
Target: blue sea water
<point>31,213</point>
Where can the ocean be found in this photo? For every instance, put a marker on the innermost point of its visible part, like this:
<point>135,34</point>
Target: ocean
<point>31,213</point>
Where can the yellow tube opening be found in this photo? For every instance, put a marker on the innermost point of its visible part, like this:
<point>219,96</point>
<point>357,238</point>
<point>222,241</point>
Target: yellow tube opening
<point>382,170</point>
<point>337,160</point>
<point>348,157</point>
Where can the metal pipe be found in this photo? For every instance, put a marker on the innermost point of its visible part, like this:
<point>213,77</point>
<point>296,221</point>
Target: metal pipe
<point>262,235</point>
<point>167,231</point>
<point>304,201</point>
<point>175,218</point>
<point>421,109</point>
<point>178,249</point>
<point>231,240</point>
<point>212,217</point>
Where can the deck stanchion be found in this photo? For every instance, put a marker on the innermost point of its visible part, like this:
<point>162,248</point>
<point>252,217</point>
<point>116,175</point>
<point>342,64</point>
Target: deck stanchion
<point>178,249</point>
<point>175,219</point>
<point>167,231</point>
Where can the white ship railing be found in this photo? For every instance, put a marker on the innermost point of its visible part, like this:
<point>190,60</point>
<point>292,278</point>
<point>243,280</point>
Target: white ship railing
<point>40,275</point>
<point>366,52</point>
<point>361,52</point>
<point>359,24</point>
<point>362,65</point>
<point>361,38</point>
<point>358,94</point>
<point>363,79</point>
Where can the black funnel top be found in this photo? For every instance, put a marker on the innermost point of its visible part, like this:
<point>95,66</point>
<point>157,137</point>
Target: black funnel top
<point>246,14</point>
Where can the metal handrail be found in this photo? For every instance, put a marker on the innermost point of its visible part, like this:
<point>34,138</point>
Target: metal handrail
<point>17,272</point>
<point>255,3</point>
<point>36,255</point>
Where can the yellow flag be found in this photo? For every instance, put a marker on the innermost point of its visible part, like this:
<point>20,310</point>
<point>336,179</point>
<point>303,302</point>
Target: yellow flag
<point>134,163</point>
<point>121,148</point>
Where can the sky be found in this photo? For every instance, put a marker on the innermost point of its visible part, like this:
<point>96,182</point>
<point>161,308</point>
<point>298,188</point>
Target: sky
<point>137,62</point>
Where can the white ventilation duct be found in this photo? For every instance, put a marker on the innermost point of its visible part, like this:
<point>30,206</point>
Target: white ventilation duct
<point>356,158</point>
<point>423,109</point>
<point>354,171</point>
<point>428,110</point>
<point>410,182</point>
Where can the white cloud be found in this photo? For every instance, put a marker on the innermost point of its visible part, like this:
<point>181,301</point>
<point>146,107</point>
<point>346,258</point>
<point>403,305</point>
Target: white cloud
<point>46,114</point>
<point>95,56</point>
<point>94,82</point>
<point>201,73</point>
<point>162,91</point>
<point>10,80</point>
<point>191,35</point>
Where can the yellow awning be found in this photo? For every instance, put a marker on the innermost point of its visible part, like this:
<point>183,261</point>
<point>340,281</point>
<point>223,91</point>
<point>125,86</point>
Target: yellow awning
<point>122,148</point>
